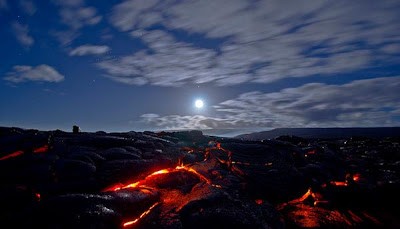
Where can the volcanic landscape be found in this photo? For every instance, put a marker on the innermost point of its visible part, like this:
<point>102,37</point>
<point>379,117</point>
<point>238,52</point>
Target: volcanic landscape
<point>56,179</point>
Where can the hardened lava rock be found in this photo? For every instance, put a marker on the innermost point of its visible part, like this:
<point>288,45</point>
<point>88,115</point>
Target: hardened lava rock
<point>56,179</point>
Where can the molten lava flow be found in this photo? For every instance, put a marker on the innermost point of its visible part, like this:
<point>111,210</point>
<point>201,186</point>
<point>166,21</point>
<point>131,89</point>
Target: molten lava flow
<point>339,183</point>
<point>163,171</point>
<point>316,197</point>
<point>301,199</point>
<point>20,152</point>
<point>258,201</point>
<point>161,133</point>
<point>356,177</point>
<point>309,153</point>
<point>15,154</point>
<point>129,223</point>
<point>304,215</point>
<point>189,149</point>
<point>38,196</point>
<point>42,149</point>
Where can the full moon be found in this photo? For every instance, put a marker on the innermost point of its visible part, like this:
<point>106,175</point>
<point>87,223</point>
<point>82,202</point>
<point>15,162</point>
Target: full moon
<point>199,103</point>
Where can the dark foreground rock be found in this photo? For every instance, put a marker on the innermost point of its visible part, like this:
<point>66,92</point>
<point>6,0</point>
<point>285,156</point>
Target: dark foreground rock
<point>57,179</point>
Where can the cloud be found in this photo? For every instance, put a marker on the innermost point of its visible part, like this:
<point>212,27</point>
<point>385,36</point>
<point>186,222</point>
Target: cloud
<point>89,50</point>
<point>75,15</point>
<point>364,103</point>
<point>69,3</point>
<point>179,122</point>
<point>28,7</point>
<point>261,41</point>
<point>40,73</point>
<point>21,33</point>
<point>171,64</point>
<point>3,5</point>
<point>392,48</point>
<point>65,37</point>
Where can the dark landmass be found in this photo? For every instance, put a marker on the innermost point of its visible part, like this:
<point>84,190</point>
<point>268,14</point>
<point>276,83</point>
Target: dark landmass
<point>56,179</point>
<point>377,132</point>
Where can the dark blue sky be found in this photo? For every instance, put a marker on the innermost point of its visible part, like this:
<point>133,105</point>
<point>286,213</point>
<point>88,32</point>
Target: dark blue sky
<point>141,64</point>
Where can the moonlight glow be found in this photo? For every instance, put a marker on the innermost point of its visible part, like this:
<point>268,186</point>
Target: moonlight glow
<point>199,103</point>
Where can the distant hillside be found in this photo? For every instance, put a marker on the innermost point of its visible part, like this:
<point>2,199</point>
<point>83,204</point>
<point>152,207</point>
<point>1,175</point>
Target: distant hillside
<point>378,132</point>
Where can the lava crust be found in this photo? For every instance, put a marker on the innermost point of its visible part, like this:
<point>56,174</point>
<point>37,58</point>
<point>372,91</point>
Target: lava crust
<point>56,179</point>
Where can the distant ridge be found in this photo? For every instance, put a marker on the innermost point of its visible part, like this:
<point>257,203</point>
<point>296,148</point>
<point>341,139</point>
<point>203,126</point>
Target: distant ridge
<point>375,132</point>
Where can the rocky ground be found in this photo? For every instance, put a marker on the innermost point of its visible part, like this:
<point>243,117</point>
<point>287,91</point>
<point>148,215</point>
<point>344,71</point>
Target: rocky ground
<point>56,179</point>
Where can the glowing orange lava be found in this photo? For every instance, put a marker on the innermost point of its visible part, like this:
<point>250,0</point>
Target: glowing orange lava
<point>339,183</point>
<point>20,152</point>
<point>317,197</point>
<point>129,223</point>
<point>301,199</point>
<point>42,149</point>
<point>163,171</point>
<point>356,177</point>
<point>15,154</point>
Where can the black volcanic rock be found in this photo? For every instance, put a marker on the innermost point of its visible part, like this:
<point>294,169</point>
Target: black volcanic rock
<point>89,211</point>
<point>120,154</point>
<point>189,180</point>
<point>73,169</point>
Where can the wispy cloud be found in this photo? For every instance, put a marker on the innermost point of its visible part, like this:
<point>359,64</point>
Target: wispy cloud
<point>263,41</point>
<point>40,73</point>
<point>75,15</point>
<point>28,7</point>
<point>182,122</point>
<point>89,50</point>
<point>3,5</point>
<point>370,102</point>
<point>392,48</point>
<point>22,34</point>
<point>171,64</point>
<point>69,3</point>
<point>65,37</point>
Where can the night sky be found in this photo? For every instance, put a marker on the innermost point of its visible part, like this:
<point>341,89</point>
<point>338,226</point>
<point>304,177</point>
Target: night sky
<point>141,64</point>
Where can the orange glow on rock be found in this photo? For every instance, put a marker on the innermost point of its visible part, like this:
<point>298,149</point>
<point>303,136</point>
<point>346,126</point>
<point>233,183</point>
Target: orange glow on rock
<point>355,217</point>
<point>15,154</point>
<point>129,223</point>
<point>259,201</point>
<point>21,187</point>
<point>314,217</point>
<point>373,219</point>
<point>38,196</point>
